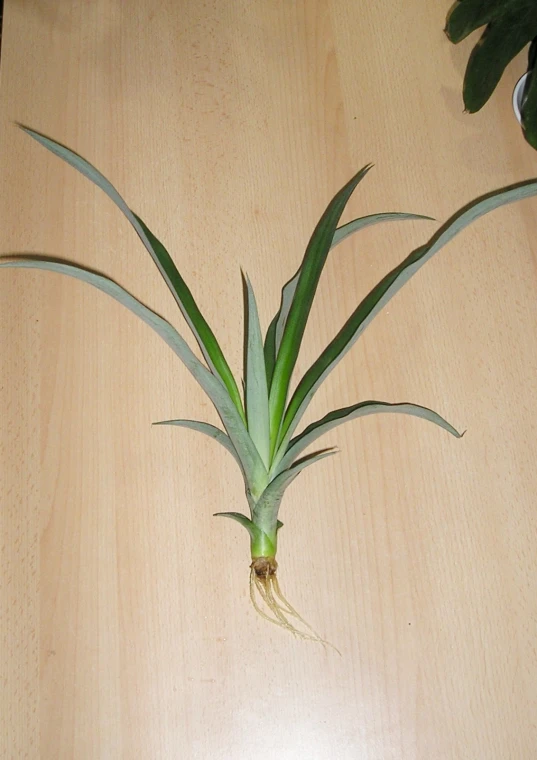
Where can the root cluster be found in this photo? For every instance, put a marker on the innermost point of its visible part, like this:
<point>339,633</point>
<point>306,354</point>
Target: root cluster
<point>274,606</point>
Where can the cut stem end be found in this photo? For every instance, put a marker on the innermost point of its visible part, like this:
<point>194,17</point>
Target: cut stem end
<point>263,567</point>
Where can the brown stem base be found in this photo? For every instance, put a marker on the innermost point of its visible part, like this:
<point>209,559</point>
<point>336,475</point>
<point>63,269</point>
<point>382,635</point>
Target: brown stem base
<point>264,583</point>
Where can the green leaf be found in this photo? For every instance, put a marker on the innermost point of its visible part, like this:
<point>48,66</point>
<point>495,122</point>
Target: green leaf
<point>277,326</point>
<point>253,530</point>
<point>265,510</point>
<point>363,409</point>
<point>511,25</point>
<point>532,55</point>
<point>209,430</point>
<point>275,489</point>
<point>197,323</point>
<point>253,467</point>
<point>257,411</point>
<point>310,272</point>
<point>381,295</point>
<point>346,230</point>
<point>269,349</point>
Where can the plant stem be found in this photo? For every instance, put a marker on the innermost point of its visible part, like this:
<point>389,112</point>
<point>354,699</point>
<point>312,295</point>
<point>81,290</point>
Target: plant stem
<point>264,512</point>
<point>265,543</point>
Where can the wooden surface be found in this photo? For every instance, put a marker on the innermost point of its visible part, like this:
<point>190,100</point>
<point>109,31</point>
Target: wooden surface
<point>126,626</point>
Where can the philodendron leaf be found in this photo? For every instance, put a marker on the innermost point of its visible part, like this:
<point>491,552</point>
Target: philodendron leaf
<point>381,295</point>
<point>310,272</point>
<point>253,467</point>
<point>256,390</point>
<point>210,430</point>
<point>197,323</point>
<point>363,409</point>
<point>510,26</point>
<point>277,326</point>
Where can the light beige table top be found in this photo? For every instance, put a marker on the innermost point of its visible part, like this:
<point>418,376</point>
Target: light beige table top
<point>126,626</point>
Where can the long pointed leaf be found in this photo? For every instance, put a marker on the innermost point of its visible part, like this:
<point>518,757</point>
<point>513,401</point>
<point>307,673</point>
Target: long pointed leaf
<point>277,326</point>
<point>197,323</point>
<point>257,411</point>
<point>383,292</point>
<point>363,409</point>
<point>269,349</point>
<point>257,535</point>
<point>209,430</point>
<point>310,272</point>
<point>346,230</point>
<point>253,530</point>
<point>265,511</point>
<point>253,467</point>
<point>273,493</point>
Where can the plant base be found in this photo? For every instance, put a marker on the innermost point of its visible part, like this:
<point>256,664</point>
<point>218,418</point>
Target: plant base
<point>264,583</point>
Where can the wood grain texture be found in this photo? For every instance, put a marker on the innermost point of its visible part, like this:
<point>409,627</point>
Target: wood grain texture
<point>126,626</point>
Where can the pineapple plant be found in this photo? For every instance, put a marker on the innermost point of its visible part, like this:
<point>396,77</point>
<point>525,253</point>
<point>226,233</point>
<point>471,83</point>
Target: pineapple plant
<point>259,425</point>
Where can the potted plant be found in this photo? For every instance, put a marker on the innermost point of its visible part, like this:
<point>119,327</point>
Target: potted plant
<point>510,25</point>
<point>259,426</point>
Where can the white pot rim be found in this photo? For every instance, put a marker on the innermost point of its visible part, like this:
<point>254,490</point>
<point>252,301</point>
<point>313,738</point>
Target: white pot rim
<point>517,96</point>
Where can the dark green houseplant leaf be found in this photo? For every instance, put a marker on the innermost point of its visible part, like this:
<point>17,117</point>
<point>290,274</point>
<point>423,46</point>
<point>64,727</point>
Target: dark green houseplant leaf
<point>510,26</point>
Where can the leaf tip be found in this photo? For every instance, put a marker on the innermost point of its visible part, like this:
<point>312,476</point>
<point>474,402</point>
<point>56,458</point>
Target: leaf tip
<point>26,129</point>
<point>246,282</point>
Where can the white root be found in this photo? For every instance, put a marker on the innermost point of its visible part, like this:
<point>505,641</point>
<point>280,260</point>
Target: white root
<point>269,590</point>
